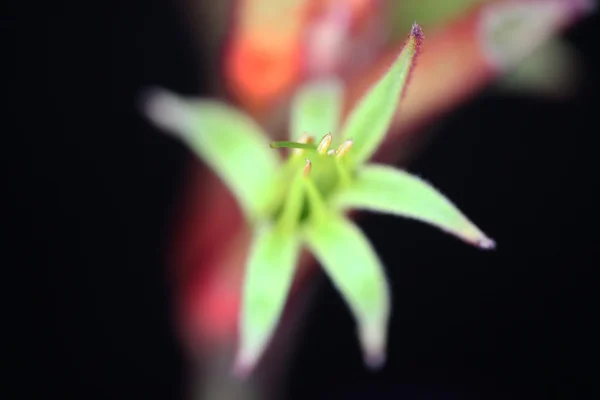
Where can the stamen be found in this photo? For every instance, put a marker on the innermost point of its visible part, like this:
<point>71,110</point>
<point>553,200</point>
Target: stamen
<point>330,152</point>
<point>307,167</point>
<point>344,148</point>
<point>324,144</point>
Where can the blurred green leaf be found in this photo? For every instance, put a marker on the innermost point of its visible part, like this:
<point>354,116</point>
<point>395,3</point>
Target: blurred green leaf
<point>269,275</point>
<point>229,141</point>
<point>511,31</point>
<point>553,69</point>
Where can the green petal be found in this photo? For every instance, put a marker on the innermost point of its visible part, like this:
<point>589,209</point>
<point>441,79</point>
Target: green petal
<point>553,69</point>
<point>389,190</point>
<point>230,142</point>
<point>269,274</point>
<point>288,220</point>
<point>510,31</point>
<point>353,266</point>
<point>368,123</point>
<point>316,109</point>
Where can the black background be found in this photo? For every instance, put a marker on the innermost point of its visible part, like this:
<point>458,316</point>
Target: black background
<point>91,189</point>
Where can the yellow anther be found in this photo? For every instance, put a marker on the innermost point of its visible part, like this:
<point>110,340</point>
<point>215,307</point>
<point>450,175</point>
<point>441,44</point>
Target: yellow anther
<point>307,167</point>
<point>324,144</point>
<point>344,148</point>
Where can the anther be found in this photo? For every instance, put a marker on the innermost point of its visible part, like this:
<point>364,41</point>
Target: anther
<point>344,148</point>
<point>324,144</point>
<point>307,167</point>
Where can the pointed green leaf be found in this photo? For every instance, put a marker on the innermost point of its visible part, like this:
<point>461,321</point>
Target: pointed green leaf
<point>353,266</point>
<point>230,142</point>
<point>385,189</point>
<point>316,109</point>
<point>268,277</point>
<point>369,121</point>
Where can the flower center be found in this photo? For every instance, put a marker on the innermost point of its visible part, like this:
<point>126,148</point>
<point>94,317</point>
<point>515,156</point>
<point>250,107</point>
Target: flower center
<point>323,171</point>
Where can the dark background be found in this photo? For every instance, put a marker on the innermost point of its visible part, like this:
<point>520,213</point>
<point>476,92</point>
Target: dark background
<point>91,189</point>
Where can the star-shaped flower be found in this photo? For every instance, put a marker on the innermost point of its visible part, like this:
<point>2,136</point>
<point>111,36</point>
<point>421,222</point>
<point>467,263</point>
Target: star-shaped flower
<point>303,201</point>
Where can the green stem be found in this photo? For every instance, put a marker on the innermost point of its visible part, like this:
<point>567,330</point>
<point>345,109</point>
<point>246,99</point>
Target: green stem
<point>292,206</point>
<point>343,173</point>
<point>292,145</point>
<point>318,209</point>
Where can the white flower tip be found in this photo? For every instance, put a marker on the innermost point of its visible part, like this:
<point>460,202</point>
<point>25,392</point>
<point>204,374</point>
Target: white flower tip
<point>486,243</point>
<point>375,360</point>
<point>373,342</point>
<point>164,108</point>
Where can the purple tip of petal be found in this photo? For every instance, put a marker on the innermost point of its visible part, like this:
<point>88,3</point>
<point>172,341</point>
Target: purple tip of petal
<point>417,32</point>
<point>413,44</point>
<point>486,244</point>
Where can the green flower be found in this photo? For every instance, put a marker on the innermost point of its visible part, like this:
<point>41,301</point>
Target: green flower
<point>303,201</point>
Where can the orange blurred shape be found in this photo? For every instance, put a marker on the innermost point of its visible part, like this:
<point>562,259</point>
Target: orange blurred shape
<point>265,56</point>
<point>259,71</point>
